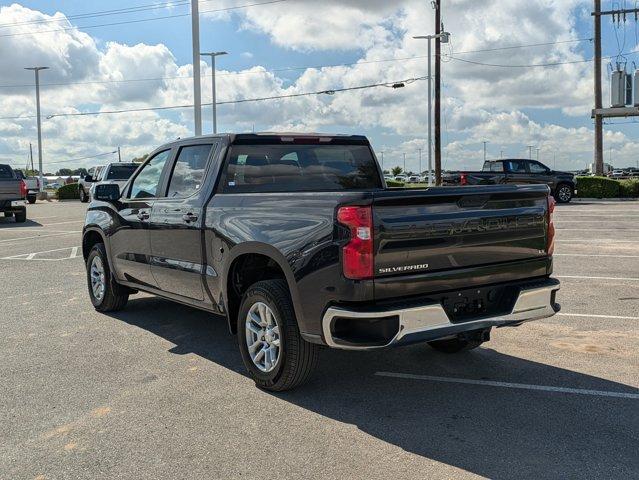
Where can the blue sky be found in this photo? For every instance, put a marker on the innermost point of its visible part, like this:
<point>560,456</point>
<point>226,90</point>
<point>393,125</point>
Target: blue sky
<point>509,107</point>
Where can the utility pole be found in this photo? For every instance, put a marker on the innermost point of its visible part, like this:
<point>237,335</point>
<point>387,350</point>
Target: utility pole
<point>31,155</point>
<point>598,94</point>
<point>404,163</point>
<point>382,152</point>
<point>530,147</point>
<point>119,155</point>
<point>213,93</point>
<point>538,154</point>
<point>197,92</point>
<point>438,85</point>
<point>485,143</point>
<point>39,121</point>
<point>420,161</point>
<point>430,38</point>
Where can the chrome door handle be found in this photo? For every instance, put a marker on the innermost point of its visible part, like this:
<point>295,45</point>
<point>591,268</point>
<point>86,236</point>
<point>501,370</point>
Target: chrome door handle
<point>189,217</point>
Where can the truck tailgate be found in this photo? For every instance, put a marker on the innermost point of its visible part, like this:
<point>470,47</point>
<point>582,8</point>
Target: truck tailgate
<point>9,189</point>
<point>493,233</point>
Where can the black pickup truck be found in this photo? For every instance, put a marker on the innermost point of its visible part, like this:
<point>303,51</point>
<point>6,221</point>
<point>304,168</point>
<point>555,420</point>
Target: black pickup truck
<point>297,242</point>
<point>519,172</point>
<point>13,194</point>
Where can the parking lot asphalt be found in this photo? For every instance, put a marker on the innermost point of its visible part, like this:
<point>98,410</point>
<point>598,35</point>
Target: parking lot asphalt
<point>159,391</point>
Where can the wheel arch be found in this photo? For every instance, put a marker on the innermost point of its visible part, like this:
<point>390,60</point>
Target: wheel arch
<point>249,263</point>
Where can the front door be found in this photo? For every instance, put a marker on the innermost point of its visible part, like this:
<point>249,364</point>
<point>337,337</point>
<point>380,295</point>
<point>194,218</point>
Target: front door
<point>177,261</point>
<point>130,243</point>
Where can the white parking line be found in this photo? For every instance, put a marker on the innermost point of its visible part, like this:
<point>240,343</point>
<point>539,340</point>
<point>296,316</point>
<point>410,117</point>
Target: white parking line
<point>33,256</point>
<point>612,230</point>
<point>598,278</point>
<point>594,240</point>
<point>592,255</point>
<point>7,241</point>
<point>520,386</point>
<point>585,315</point>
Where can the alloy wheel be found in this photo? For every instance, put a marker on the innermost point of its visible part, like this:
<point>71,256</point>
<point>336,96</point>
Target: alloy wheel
<point>263,337</point>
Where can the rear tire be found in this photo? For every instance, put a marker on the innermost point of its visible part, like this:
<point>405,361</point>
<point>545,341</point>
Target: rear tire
<point>31,199</point>
<point>106,294</point>
<point>8,214</point>
<point>461,343</point>
<point>21,216</point>
<point>294,358</point>
<point>563,193</point>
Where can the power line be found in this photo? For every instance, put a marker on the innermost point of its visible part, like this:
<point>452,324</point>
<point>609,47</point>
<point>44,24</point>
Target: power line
<point>395,84</point>
<point>534,65</point>
<point>83,158</point>
<point>101,13</point>
<point>127,22</point>
<point>287,69</point>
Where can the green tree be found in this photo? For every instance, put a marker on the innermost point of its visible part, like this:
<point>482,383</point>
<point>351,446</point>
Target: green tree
<point>140,159</point>
<point>64,172</point>
<point>396,171</point>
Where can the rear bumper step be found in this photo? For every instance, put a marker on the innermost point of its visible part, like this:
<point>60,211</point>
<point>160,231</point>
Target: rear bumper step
<point>366,330</point>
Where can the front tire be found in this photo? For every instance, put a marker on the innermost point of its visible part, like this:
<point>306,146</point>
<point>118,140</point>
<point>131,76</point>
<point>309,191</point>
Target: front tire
<point>276,356</point>
<point>563,194</point>
<point>105,293</point>
<point>83,196</point>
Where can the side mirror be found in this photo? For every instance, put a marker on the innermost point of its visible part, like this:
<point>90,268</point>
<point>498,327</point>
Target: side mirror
<point>107,192</point>
<point>88,178</point>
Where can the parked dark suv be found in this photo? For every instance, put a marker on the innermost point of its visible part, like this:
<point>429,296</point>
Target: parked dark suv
<point>297,242</point>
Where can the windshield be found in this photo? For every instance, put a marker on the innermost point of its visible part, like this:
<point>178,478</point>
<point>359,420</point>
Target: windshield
<point>120,172</point>
<point>298,168</point>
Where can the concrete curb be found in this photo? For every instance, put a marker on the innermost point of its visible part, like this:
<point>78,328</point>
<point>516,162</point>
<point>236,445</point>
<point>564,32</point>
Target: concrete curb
<point>604,200</point>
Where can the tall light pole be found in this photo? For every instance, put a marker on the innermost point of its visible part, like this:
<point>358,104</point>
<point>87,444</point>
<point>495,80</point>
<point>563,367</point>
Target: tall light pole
<point>485,143</point>
<point>37,85</point>
<point>213,95</point>
<point>530,147</point>
<point>382,152</point>
<point>404,163</point>
<point>444,36</point>
<point>420,161</point>
<point>197,91</point>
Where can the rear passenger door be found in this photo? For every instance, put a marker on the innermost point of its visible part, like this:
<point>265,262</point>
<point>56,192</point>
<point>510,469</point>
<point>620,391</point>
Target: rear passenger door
<point>176,223</point>
<point>517,172</point>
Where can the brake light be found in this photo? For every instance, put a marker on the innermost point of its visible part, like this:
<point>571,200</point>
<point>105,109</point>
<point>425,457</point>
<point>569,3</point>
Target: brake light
<point>550,246</point>
<point>463,180</point>
<point>357,255</point>
<point>23,189</point>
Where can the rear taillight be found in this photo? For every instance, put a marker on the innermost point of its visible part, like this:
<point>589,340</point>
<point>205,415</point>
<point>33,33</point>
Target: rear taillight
<point>357,255</point>
<point>463,180</point>
<point>550,245</point>
<point>23,189</point>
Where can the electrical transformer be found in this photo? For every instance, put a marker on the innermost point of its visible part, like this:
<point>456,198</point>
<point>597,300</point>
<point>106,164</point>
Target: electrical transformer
<point>621,89</point>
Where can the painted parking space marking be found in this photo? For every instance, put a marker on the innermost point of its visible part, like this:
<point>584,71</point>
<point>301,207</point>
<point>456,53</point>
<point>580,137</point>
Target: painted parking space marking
<point>72,252</point>
<point>518,386</point>
<point>590,315</point>
<point>17,241</point>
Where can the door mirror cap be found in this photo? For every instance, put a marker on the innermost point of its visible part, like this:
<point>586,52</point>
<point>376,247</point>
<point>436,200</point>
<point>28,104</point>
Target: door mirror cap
<point>88,178</point>
<point>107,192</point>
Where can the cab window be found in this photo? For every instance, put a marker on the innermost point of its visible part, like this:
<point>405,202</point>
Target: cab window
<point>146,183</point>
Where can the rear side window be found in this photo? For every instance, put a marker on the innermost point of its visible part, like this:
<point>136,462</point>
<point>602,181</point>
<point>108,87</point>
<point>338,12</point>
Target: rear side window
<point>5,171</point>
<point>120,172</point>
<point>189,169</point>
<point>299,168</point>
<point>517,166</point>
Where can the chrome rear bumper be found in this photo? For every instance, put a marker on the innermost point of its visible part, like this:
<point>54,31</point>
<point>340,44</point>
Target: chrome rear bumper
<point>430,322</point>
